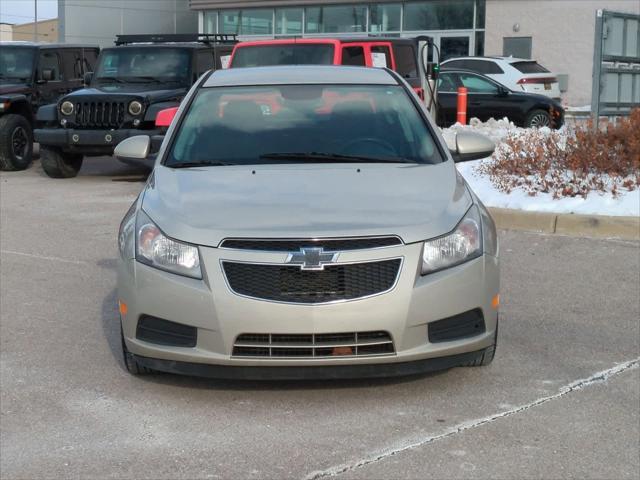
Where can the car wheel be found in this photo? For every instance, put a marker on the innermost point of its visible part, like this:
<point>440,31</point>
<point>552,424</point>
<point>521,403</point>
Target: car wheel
<point>487,355</point>
<point>538,119</point>
<point>16,143</point>
<point>130,362</point>
<point>57,164</point>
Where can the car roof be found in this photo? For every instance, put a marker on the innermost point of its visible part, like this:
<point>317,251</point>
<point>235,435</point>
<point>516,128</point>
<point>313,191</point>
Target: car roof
<point>325,40</point>
<point>300,75</point>
<point>45,45</point>
<point>504,59</point>
<point>169,45</point>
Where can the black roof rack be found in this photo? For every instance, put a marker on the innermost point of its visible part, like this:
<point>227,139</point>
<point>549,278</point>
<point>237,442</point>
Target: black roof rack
<point>177,37</point>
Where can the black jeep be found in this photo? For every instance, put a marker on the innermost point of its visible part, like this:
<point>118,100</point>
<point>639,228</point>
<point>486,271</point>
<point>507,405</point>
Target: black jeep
<point>133,81</point>
<point>31,75</point>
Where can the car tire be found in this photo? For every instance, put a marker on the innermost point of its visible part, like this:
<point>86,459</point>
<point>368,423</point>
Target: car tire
<point>487,355</point>
<point>538,119</point>
<point>130,362</point>
<point>16,143</point>
<point>58,164</point>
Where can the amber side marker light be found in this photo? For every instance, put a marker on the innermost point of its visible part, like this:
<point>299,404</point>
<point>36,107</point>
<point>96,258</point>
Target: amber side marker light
<point>122,307</point>
<point>495,303</point>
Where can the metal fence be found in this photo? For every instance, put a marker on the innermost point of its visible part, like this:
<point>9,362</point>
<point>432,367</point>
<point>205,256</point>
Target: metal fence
<point>616,64</point>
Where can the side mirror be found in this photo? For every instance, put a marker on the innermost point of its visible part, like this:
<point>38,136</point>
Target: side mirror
<point>133,149</point>
<point>471,146</point>
<point>502,92</point>
<point>47,75</point>
<point>87,77</point>
<point>166,116</point>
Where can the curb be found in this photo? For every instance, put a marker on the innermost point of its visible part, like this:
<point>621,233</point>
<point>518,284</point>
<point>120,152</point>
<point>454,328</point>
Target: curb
<point>600,226</point>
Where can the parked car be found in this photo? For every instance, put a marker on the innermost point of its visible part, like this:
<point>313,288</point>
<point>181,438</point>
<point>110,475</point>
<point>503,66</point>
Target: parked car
<point>134,80</point>
<point>31,75</point>
<point>399,54</point>
<point>487,99</point>
<point>517,74</point>
<point>331,238</point>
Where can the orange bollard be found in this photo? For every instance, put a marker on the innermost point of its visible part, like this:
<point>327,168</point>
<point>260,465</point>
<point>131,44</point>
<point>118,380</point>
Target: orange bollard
<point>462,105</point>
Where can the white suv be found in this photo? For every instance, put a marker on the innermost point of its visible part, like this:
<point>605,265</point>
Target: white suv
<point>515,73</point>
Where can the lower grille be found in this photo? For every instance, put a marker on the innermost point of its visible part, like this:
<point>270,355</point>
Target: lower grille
<point>290,284</point>
<point>99,114</point>
<point>319,345</point>
<point>464,325</point>
<point>163,332</point>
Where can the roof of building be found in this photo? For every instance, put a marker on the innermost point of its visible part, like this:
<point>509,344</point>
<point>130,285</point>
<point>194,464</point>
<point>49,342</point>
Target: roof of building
<point>17,43</point>
<point>301,75</point>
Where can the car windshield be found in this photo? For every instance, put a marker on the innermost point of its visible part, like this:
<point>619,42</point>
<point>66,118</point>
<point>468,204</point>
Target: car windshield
<point>303,123</point>
<point>285,54</point>
<point>16,64</point>
<point>146,64</point>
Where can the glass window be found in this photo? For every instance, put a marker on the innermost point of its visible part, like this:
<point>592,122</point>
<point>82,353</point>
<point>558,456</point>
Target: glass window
<point>279,124</point>
<point>480,44</point>
<point>288,21</point>
<point>210,22</point>
<point>438,15</point>
<point>406,60</point>
<point>49,61</point>
<point>256,22</point>
<point>379,50</point>
<point>230,21</point>
<point>285,54</point>
<point>145,64</point>
<point>384,18</point>
<point>447,83</point>
<point>335,19</point>
<point>529,67</point>
<point>476,84</point>
<point>16,63</point>
<point>353,56</point>
<point>452,47</point>
<point>480,13</point>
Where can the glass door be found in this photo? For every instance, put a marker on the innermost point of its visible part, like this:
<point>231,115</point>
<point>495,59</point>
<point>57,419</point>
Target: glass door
<point>454,46</point>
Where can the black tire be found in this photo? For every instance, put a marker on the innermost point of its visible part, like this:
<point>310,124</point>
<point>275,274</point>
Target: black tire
<point>16,143</point>
<point>58,164</point>
<point>130,363</point>
<point>538,119</point>
<point>487,355</point>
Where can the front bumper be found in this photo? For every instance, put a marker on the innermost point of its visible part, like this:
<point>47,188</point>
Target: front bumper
<point>221,315</point>
<point>87,142</point>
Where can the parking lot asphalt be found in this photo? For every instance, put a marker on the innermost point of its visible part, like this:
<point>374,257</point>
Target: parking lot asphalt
<point>560,400</point>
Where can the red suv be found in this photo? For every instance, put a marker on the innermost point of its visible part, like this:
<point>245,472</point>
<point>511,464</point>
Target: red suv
<point>399,54</point>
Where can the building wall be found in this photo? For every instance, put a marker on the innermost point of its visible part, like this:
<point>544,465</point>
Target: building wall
<point>47,31</point>
<point>562,34</point>
<point>6,32</point>
<point>99,21</point>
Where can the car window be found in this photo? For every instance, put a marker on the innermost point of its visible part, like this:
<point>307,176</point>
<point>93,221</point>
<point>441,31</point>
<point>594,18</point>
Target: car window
<point>454,64</point>
<point>205,61</point>
<point>380,54</point>
<point>72,60</point>
<point>166,64</point>
<point>477,84</point>
<point>16,63</point>
<point>406,62</point>
<point>447,83</point>
<point>284,54</point>
<point>239,125</point>
<point>353,56</point>
<point>529,67</point>
<point>49,61</point>
<point>482,66</point>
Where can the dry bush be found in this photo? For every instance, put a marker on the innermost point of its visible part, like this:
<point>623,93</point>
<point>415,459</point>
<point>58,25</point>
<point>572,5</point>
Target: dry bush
<point>569,163</point>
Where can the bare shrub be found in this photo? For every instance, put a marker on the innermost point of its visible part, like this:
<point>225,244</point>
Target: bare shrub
<point>569,163</point>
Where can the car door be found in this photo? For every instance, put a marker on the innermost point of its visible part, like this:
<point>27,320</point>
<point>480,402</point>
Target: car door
<point>49,88</point>
<point>484,97</point>
<point>447,98</point>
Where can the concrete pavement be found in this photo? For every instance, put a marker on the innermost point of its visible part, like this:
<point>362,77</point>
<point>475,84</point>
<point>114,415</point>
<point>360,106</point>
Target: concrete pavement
<point>570,309</point>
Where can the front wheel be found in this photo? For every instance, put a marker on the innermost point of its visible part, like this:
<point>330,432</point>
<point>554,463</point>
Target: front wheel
<point>58,164</point>
<point>16,143</point>
<point>538,119</point>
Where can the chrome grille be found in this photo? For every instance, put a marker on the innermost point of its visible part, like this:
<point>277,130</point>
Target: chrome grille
<point>99,114</point>
<point>319,345</point>
<point>292,245</point>
<point>290,284</point>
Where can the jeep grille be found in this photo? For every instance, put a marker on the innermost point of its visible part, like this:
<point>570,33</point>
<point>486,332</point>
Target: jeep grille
<point>100,114</point>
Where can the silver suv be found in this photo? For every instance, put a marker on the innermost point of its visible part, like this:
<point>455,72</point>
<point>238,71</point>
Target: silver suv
<point>303,222</point>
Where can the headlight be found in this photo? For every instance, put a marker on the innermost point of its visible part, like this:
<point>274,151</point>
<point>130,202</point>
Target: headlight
<point>156,250</point>
<point>135,108</point>
<point>66,108</point>
<point>459,246</point>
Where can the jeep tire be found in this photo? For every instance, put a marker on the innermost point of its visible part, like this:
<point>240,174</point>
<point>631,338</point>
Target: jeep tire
<point>16,143</point>
<point>58,164</point>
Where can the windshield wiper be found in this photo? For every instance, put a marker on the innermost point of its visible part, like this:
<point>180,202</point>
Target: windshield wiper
<point>195,164</point>
<point>144,79</point>
<point>110,80</point>
<point>331,157</point>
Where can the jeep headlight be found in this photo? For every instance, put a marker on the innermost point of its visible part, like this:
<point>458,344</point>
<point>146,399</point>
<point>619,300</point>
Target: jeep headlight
<point>66,108</point>
<point>155,249</point>
<point>459,246</point>
<point>135,108</point>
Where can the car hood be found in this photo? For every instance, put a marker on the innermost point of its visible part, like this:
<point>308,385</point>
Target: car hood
<point>6,88</point>
<point>129,91</point>
<point>206,205</point>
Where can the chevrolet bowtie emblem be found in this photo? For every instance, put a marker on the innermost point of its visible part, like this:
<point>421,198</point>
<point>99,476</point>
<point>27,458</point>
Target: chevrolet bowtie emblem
<point>312,258</point>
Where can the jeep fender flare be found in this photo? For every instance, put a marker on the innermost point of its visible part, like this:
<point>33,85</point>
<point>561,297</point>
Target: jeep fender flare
<point>18,105</point>
<point>47,113</point>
